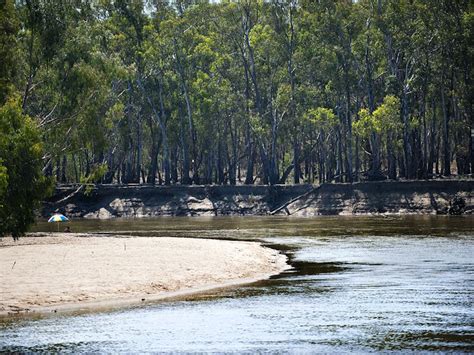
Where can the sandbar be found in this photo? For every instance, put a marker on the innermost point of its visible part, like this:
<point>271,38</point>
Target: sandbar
<point>67,272</point>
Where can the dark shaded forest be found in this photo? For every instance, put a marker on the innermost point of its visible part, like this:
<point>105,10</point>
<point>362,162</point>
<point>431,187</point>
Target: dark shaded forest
<point>243,92</point>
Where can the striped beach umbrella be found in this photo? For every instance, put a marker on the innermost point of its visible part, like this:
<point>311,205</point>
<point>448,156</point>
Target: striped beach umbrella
<point>58,218</point>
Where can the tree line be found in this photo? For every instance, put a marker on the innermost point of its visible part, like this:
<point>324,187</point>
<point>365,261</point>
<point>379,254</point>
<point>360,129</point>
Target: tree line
<point>231,92</point>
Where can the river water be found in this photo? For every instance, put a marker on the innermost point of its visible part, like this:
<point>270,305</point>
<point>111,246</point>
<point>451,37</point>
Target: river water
<point>359,284</point>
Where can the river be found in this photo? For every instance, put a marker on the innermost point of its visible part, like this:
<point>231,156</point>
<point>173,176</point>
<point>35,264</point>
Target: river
<point>359,284</point>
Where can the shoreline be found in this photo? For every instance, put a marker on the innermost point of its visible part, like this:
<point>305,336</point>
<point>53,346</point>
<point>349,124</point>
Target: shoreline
<point>98,273</point>
<point>449,197</point>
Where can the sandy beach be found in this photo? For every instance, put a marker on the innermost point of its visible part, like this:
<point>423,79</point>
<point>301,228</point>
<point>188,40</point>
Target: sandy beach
<point>68,272</point>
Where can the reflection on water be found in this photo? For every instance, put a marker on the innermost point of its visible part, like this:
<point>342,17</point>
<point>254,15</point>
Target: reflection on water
<point>359,284</point>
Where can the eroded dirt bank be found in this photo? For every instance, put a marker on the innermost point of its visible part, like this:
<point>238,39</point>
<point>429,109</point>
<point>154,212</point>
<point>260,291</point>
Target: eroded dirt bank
<point>405,197</point>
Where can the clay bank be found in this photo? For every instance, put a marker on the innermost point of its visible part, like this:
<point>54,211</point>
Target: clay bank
<point>399,197</point>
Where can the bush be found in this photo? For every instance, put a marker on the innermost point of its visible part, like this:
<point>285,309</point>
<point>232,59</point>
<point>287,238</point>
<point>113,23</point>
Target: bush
<point>22,184</point>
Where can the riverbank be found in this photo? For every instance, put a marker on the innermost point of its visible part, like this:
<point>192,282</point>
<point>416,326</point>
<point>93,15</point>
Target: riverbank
<point>71,272</point>
<point>385,197</point>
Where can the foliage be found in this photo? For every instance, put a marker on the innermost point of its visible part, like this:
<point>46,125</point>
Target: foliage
<point>197,92</point>
<point>323,118</point>
<point>386,118</point>
<point>22,184</point>
<point>8,49</point>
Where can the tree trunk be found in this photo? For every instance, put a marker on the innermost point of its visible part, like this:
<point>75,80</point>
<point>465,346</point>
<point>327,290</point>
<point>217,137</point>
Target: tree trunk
<point>185,179</point>
<point>189,111</point>
<point>139,149</point>
<point>446,150</point>
<point>151,179</point>
<point>250,158</point>
<point>64,169</point>
<point>174,164</point>
<point>407,149</point>
<point>392,160</point>
<point>296,162</point>
<point>233,159</point>
<point>208,171</point>
<point>349,176</point>
<point>273,163</point>
<point>161,119</point>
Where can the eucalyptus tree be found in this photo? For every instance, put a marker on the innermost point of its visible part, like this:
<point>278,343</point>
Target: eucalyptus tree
<point>22,184</point>
<point>9,51</point>
<point>243,91</point>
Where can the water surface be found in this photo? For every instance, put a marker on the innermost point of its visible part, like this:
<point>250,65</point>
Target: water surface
<point>359,284</point>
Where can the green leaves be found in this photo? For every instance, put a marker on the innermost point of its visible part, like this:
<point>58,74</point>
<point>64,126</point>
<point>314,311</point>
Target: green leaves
<point>9,54</point>
<point>366,125</point>
<point>386,118</point>
<point>239,83</point>
<point>322,118</point>
<point>3,180</point>
<point>388,114</point>
<point>22,184</point>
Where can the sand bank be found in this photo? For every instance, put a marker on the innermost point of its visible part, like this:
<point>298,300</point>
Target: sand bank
<point>82,271</point>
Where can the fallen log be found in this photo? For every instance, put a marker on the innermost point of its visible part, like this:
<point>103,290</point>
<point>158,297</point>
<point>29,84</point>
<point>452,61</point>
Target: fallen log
<point>286,204</point>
